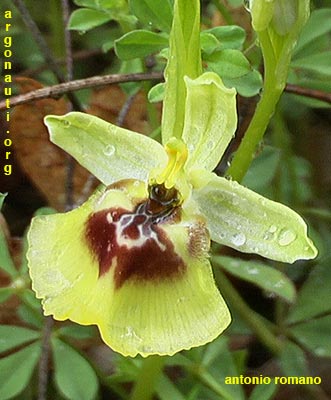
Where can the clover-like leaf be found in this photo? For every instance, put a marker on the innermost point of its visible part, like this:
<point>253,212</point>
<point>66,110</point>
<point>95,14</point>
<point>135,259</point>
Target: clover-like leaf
<point>250,223</point>
<point>109,152</point>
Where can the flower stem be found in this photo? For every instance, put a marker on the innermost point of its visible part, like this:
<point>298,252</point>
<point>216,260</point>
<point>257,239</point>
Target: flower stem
<point>251,318</point>
<point>149,374</point>
<point>272,91</point>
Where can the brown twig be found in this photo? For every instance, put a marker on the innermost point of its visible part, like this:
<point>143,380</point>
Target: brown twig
<point>38,38</point>
<point>57,91</point>
<point>70,164</point>
<point>44,358</point>
<point>43,47</point>
<point>306,92</point>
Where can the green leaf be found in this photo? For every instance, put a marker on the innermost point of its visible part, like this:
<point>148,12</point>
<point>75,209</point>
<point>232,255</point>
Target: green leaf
<point>317,26</point>
<point>229,37</point>
<point>77,331</point>
<point>240,218</point>
<point>247,85</point>
<point>6,262</point>
<point>166,389</point>
<point>209,42</point>
<point>16,370</point>
<point>315,335</point>
<point>13,336</point>
<point>107,151</point>
<point>184,60</point>
<point>30,316</point>
<point>139,43</point>
<point>293,360</point>
<point>5,293</point>
<point>317,63</point>
<point>157,14</point>
<point>74,376</point>
<point>264,392</point>
<point>85,19</point>
<point>2,198</point>
<point>228,63</point>
<point>210,120</point>
<point>217,363</point>
<point>156,93</point>
<point>309,305</point>
<point>259,274</point>
<point>264,166</point>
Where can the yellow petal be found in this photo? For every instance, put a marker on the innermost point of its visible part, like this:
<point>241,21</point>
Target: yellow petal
<point>144,280</point>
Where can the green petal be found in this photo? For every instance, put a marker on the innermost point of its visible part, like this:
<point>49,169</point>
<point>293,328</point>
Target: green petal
<point>210,120</point>
<point>146,314</point>
<point>107,151</point>
<point>184,60</point>
<point>240,218</point>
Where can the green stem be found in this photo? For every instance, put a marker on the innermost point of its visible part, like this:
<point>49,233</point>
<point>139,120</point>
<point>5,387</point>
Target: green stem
<point>273,89</point>
<point>149,374</point>
<point>251,318</point>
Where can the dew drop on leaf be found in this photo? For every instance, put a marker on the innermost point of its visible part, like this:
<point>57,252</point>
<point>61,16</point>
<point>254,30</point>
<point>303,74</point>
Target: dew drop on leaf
<point>109,150</point>
<point>238,239</point>
<point>286,237</point>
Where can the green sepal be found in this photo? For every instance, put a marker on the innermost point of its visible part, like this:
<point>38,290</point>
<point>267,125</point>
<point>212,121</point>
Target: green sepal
<point>210,120</point>
<point>184,60</point>
<point>107,151</point>
<point>242,219</point>
<point>262,13</point>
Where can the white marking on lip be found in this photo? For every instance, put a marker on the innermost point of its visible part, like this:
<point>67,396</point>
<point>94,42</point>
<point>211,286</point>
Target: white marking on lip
<point>109,218</point>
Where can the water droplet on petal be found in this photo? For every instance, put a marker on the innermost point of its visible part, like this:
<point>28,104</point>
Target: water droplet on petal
<point>238,239</point>
<point>65,123</point>
<point>286,237</point>
<point>270,233</point>
<point>109,150</point>
<point>235,200</point>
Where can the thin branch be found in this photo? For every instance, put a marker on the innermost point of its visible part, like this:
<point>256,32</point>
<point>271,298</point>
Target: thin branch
<point>70,164</point>
<point>44,358</point>
<point>312,93</point>
<point>37,36</point>
<point>67,40</point>
<point>57,91</point>
<point>39,39</point>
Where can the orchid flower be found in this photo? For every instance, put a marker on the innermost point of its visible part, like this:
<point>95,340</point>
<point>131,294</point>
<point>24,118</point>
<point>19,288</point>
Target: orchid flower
<point>134,258</point>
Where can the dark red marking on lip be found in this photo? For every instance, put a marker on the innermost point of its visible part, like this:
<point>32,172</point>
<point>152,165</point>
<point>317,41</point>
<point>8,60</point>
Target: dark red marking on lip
<point>155,259</point>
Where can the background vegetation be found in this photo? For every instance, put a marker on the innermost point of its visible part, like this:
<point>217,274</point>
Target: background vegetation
<point>281,313</point>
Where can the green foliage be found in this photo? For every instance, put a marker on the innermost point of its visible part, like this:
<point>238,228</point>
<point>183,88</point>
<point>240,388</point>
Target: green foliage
<point>261,275</point>
<point>73,375</point>
<point>149,13</point>
<point>139,43</point>
<point>13,336</point>
<point>310,66</point>
<point>16,370</point>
